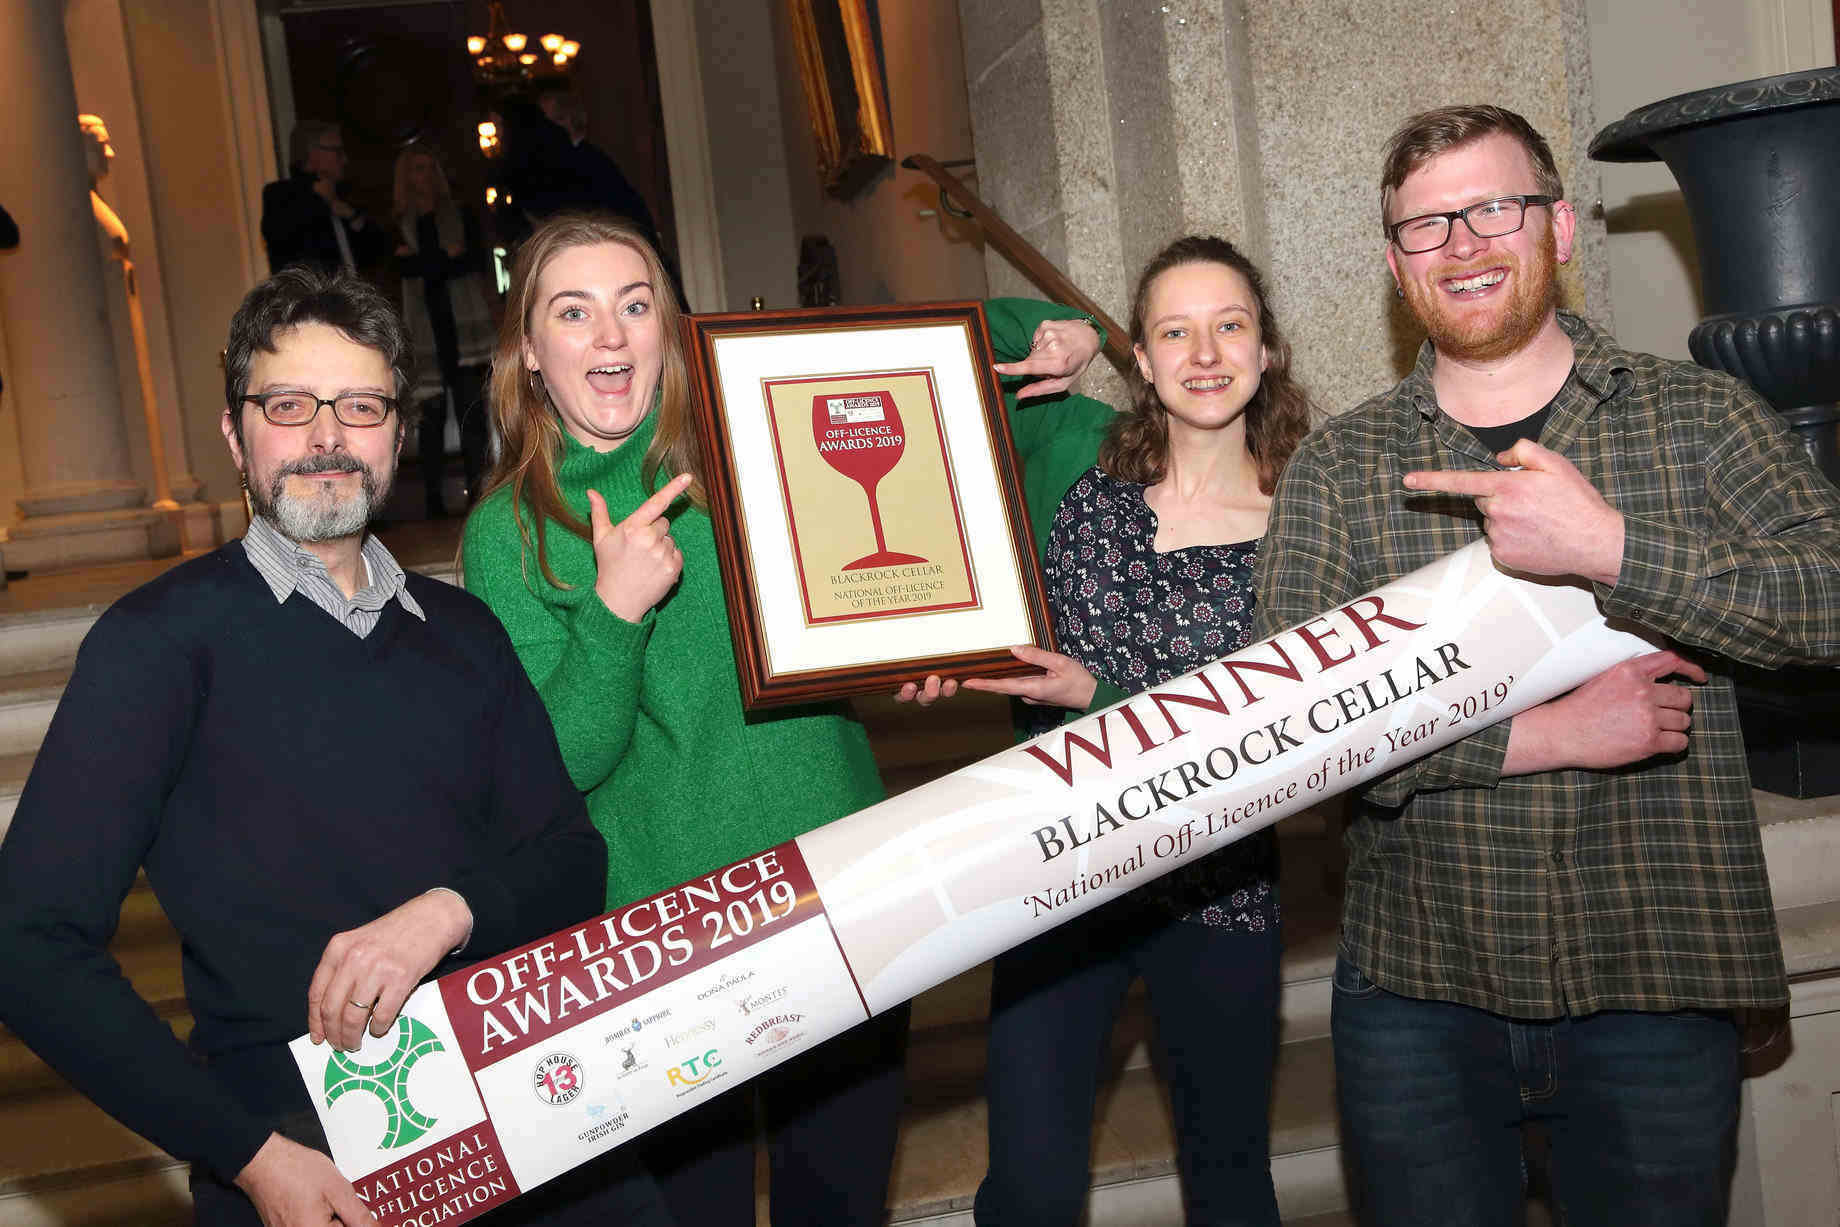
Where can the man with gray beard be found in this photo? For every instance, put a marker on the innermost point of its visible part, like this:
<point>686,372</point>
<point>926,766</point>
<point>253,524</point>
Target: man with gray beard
<point>336,775</point>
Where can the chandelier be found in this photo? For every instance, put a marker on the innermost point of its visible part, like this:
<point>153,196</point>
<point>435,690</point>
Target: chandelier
<point>503,57</point>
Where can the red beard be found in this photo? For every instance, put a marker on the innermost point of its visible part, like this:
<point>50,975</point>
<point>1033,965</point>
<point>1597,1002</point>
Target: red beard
<point>1472,335</point>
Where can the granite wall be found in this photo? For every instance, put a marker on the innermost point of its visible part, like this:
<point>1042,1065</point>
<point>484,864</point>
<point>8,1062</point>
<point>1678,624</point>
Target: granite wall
<point>1104,128</point>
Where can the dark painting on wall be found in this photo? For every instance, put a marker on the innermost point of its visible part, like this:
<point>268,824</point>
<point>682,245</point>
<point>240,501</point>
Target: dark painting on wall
<point>838,45</point>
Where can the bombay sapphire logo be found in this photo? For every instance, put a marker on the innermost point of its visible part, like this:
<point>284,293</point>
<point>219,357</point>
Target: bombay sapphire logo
<point>388,1080</point>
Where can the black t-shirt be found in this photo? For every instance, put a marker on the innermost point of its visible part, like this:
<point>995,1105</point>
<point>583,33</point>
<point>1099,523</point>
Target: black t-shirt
<point>1500,438</point>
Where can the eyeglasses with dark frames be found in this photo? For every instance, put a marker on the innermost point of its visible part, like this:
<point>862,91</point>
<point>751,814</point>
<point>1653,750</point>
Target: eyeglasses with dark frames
<point>358,409</point>
<point>1488,219</point>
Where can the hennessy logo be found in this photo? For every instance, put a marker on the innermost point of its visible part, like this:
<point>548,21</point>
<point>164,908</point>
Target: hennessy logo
<point>388,1080</point>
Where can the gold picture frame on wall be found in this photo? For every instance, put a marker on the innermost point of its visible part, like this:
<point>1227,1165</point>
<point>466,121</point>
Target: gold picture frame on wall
<point>840,68</point>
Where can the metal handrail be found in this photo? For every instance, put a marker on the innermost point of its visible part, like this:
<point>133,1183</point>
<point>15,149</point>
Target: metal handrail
<point>1023,254</point>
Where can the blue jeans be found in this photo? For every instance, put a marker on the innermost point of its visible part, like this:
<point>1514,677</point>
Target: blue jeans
<point>1214,998</point>
<point>1642,1110</point>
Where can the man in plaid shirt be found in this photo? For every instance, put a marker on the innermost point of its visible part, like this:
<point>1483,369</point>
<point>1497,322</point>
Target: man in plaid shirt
<point>1555,919</point>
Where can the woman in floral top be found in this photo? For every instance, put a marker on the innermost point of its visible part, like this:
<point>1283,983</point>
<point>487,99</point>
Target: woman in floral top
<point>1148,561</point>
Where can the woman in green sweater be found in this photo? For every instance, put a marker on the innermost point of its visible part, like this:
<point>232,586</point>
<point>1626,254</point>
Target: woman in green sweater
<point>594,547</point>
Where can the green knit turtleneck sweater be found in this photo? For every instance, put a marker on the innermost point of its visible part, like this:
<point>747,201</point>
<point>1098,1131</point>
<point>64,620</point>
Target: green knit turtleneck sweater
<point>678,778</point>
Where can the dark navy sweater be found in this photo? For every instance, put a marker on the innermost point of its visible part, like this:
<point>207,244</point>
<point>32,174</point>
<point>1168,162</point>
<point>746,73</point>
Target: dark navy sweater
<point>281,780</point>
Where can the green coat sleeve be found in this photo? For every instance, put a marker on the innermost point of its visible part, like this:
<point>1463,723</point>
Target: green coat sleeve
<point>1057,437</point>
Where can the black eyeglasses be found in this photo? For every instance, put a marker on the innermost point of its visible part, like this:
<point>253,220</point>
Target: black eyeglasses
<point>361,409</point>
<point>1490,219</point>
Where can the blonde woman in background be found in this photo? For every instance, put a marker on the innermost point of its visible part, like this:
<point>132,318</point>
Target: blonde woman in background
<point>446,306</point>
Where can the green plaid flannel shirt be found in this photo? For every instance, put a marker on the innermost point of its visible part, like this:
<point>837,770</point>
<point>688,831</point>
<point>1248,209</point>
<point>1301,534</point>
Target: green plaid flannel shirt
<point>1576,891</point>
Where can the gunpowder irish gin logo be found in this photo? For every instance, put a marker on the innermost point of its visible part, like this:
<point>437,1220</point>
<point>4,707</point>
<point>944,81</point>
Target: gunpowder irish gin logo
<point>388,1080</point>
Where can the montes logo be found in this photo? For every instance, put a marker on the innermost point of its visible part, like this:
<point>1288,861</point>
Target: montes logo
<point>388,1080</point>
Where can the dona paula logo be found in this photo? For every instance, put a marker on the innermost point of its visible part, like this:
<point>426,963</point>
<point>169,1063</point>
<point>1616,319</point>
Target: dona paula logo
<point>727,981</point>
<point>388,1081</point>
<point>752,1003</point>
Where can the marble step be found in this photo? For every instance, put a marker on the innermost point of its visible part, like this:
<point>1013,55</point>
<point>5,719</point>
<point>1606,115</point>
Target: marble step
<point>45,639</point>
<point>155,1194</point>
<point>13,771</point>
<point>64,1162</point>
<point>27,702</point>
<point>1801,843</point>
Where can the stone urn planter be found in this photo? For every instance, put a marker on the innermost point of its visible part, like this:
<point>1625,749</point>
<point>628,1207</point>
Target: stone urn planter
<point>1759,166</point>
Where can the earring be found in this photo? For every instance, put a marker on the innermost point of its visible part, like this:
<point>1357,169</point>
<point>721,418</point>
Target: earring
<point>1399,291</point>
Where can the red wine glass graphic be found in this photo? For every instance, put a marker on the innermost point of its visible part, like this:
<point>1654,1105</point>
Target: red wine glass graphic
<point>860,436</point>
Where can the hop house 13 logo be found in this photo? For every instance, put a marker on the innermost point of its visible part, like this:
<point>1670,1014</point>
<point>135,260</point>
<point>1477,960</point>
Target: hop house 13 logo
<point>558,1079</point>
<point>388,1080</point>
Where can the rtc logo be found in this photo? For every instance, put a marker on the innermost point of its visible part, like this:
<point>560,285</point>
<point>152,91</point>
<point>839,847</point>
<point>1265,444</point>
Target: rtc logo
<point>388,1080</point>
<point>558,1078</point>
<point>695,1071</point>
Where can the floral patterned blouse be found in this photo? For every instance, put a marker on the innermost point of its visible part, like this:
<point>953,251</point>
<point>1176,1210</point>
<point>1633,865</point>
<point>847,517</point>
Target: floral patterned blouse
<point>1137,618</point>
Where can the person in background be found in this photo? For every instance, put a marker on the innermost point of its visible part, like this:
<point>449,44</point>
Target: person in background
<point>441,254</point>
<point>594,546</point>
<point>552,167</point>
<point>1554,919</point>
<point>305,220</point>
<point>1149,524</point>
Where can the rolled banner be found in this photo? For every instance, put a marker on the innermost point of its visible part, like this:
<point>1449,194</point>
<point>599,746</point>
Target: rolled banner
<point>503,1075</point>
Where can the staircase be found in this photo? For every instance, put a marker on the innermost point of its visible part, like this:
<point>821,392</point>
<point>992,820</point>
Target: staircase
<point>65,1164</point>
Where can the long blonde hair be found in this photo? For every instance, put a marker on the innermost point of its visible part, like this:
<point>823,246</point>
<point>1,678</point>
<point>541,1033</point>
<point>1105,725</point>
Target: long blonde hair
<point>528,425</point>
<point>447,215</point>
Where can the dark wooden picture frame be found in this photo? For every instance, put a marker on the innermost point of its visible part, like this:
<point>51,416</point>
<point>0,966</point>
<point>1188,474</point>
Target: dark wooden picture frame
<point>743,367</point>
<point>838,47</point>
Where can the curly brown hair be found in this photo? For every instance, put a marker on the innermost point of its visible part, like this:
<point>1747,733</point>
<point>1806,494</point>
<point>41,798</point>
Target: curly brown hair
<point>1277,417</point>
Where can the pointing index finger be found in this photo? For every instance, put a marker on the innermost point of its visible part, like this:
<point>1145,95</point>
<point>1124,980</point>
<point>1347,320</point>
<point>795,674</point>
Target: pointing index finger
<point>655,506</point>
<point>1458,481</point>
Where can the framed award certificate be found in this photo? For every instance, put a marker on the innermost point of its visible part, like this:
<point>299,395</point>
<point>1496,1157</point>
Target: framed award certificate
<point>866,498</point>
